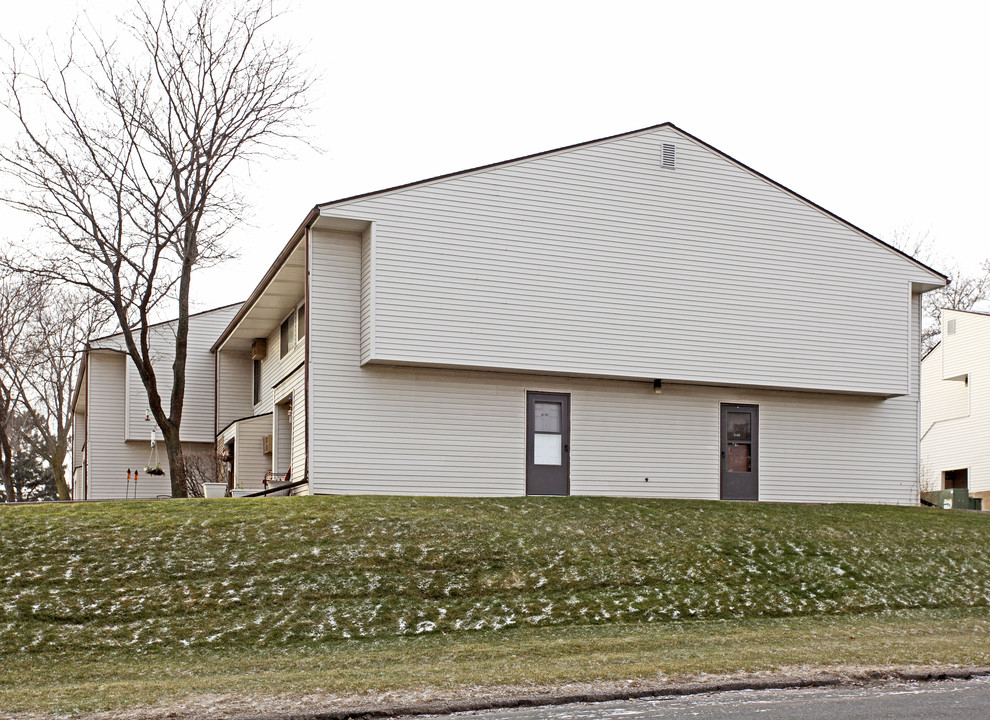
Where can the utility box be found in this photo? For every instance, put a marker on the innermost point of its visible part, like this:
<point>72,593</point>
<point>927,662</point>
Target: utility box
<point>955,499</point>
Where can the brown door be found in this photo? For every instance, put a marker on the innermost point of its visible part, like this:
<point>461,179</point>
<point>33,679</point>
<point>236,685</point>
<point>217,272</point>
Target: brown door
<point>740,452</point>
<point>548,443</point>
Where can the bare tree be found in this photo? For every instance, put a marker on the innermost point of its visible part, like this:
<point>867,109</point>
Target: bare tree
<point>19,300</point>
<point>61,326</point>
<point>965,290</point>
<point>127,160</point>
<point>30,479</point>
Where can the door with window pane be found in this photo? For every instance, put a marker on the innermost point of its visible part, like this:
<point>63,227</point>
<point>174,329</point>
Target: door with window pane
<point>740,452</point>
<point>548,443</point>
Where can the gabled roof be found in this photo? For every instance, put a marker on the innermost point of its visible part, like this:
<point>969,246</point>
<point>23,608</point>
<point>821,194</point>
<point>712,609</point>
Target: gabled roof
<point>163,322</point>
<point>930,350</point>
<point>968,312</point>
<point>314,213</point>
<point>630,133</point>
<point>90,346</point>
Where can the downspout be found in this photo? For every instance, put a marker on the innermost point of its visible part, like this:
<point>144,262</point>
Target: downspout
<point>309,344</point>
<point>216,397</point>
<point>89,412</point>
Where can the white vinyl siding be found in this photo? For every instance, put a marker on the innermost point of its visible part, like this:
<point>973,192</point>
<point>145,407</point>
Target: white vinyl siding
<point>235,387</point>
<point>251,465</point>
<point>291,452</point>
<point>116,402</point>
<point>378,429</point>
<point>78,439</point>
<point>367,295</point>
<point>299,428</point>
<point>596,261</point>
<point>943,400</point>
<point>198,407</point>
<point>79,446</point>
<point>280,378</point>
<point>955,405</point>
<point>108,454</point>
<point>274,369</point>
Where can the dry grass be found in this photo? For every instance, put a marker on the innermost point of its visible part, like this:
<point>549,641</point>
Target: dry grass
<point>474,663</point>
<point>107,605</point>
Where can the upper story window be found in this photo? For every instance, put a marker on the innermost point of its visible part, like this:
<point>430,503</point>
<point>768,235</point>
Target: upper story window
<point>287,335</point>
<point>257,381</point>
<point>293,329</point>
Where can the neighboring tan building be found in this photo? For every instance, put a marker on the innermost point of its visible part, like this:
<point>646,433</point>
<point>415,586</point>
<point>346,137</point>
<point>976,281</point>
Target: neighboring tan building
<point>110,434</point>
<point>955,407</point>
<point>640,315</point>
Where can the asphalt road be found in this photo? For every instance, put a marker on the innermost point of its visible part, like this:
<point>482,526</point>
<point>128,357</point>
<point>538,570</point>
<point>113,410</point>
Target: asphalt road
<point>946,700</point>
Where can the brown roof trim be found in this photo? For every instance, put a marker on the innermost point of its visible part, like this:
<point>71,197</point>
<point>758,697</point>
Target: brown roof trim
<point>815,205</point>
<point>315,212</point>
<point>163,322</point>
<point>969,312</point>
<point>297,236</point>
<point>83,367</point>
<point>456,173</point>
<point>626,134</point>
<point>246,417</point>
<point>89,347</point>
<point>930,350</point>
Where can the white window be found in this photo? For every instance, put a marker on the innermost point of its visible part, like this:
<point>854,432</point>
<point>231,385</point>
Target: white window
<point>301,321</point>
<point>287,335</point>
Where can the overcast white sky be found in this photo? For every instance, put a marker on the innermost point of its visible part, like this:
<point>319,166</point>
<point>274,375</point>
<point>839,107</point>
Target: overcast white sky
<point>876,110</point>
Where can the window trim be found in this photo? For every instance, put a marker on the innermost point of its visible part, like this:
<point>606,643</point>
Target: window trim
<point>256,382</point>
<point>286,343</point>
<point>300,330</point>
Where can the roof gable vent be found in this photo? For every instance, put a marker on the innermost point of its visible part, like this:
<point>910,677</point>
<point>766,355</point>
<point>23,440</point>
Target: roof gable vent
<point>668,155</point>
<point>951,327</point>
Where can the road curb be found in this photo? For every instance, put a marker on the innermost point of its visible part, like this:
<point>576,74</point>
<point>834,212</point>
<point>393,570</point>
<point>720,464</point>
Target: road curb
<point>772,682</point>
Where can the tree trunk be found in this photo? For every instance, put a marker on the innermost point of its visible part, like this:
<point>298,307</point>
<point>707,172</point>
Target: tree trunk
<point>176,463</point>
<point>8,485</point>
<point>57,463</point>
<point>127,163</point>
<point>6,458</point>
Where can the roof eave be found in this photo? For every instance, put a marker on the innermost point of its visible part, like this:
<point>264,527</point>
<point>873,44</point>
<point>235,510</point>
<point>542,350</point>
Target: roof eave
<point>294,240</point>
<point>944,278</point>
<point>83,366</point>
<point>157,324</point>
<point>489,166</point>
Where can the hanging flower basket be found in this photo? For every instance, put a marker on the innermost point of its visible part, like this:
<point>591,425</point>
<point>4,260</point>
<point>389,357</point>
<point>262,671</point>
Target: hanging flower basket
<point>157,470</point>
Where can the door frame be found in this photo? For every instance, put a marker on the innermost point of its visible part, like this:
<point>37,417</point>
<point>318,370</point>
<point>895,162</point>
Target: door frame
<point>532,397</point>
<point>754,410</point>
<point>282,412</point>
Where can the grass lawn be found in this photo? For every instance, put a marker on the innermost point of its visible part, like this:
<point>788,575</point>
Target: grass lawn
<point>472,663</point>
<point>114,604</point>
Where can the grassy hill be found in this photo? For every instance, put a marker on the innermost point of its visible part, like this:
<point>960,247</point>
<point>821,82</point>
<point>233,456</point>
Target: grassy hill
<point>109,604</point>
<point>165,575</point>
